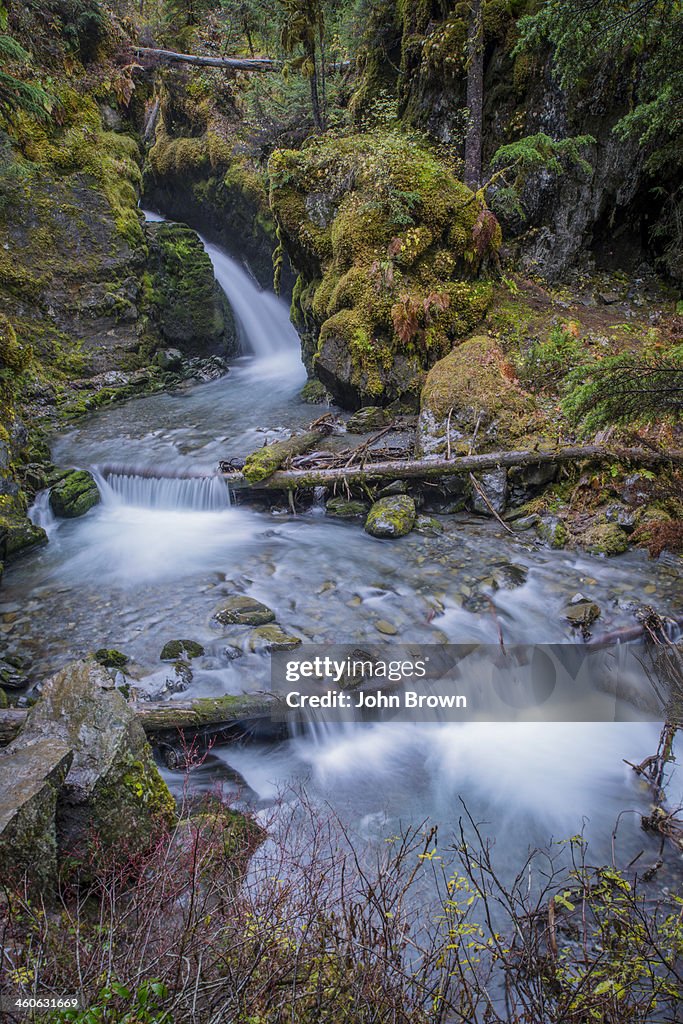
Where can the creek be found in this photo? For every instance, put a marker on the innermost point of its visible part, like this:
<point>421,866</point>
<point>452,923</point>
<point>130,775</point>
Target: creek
<point>152,561</point>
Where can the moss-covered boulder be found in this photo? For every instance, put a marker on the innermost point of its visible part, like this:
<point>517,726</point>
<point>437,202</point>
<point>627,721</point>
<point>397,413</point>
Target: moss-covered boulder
<point>113,795</point>
<point>191,309</point>
<point>19,534</point>
<point>109,657</point>
<point>391,517</point>
<point>475,388</point>
<point>240,610</point>
<point>175,649</point>
<point>389,247</point>
<point>74,495</point>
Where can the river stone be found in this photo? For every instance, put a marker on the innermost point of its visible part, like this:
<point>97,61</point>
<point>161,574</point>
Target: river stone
<point>346,508</point>
<point>508,575</point>
<point>580,612</point>
<point>552,530</point>
<point>429,526</point>
<point>387,628</point>
<point>74,495</point>
<point>367,420</point>
<point>272,637</point>
<point>111,658</point>
<point>31,777</point>
<point>113,790</point>
<point>494,486</point>
<point>391,517</point>
<point>243,611</point>
<point>175,649</point>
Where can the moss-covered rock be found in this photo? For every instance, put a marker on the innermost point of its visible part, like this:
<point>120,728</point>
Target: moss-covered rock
<point>474,388</point>
<point>604,539</point>
<point>243,611</point>
<point>111,658</point>
<point>391,517</point>
<point>191,309</point>
<point>74,495</point>
<point>315,393</point>
<point>346,508</point>
<point>388,247</point>
<point>272,637</point>
<point>175,649</point>
<point>19,534</point>
<point>372,417</point>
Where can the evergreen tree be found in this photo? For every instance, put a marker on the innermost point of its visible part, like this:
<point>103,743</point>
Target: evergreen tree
<point>303,28</point>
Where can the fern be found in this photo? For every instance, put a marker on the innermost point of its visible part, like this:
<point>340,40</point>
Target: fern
<point>15,94</point>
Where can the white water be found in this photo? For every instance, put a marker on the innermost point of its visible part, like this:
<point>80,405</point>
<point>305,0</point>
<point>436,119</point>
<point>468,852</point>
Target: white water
<point>152,561</point>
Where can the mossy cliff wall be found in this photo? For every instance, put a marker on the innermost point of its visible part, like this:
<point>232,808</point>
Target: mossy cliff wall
<point>391,251</point>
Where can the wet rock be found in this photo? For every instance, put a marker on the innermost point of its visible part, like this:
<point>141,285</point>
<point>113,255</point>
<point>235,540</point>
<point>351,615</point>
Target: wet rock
<point>232,653</point>
<point>31,777</point>
<point>272,637</point>
<point>74,495</point>
<point>181,678</point>
<point>508,575</point>
<point>526,522</point>
<point>527,482</point>
<point>243,611</point>
<point>552,530</point>
<point>18,534</point>
<point>367,420</point>
<point>346,508</point>
<point>580,612</point>
<point>622,515</point>
<point>387,628</point>
<point>175,649</point>
<point>168,359</point>
<point>4,703</point>
<point>113,790</point>
<point>477,603</point>
<point>605,539</point>
<point>391,517</point>
<point>494,486</point>
<point>395,487</point>
<point>111,658</point>
<point>314,392</point>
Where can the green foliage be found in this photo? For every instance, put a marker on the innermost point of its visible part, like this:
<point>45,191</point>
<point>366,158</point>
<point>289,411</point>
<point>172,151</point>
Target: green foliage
<point>625,389</point>
<point>15,93</point>
<point>548,362</point>
<point>517,161</point>
<point>117,1004</point>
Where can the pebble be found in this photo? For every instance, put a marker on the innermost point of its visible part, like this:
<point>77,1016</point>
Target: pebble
<point>388,628</point>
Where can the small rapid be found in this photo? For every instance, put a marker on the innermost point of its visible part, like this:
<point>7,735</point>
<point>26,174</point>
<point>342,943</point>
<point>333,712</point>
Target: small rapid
<point>152,488</point>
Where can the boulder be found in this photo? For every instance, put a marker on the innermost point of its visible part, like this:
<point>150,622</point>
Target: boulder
<point>111,658</point>
<point>113,796</point>
<point>175,649</point>
<point>495,487</point>
<point>241,610</point>
<point>605,539</point>
<point>367,420</point>
<point>18,534</point>
<point>74,495</point>
<point>471,389</point>
<point>31,778</point>
<point>391,517</point>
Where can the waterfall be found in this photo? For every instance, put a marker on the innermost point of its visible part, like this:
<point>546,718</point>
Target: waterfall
<point>146,488</point>
<point>262,318</point>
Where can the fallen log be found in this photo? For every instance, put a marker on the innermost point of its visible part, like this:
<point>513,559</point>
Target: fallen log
<point>232,712</point>
<point>403,469</point>
<point>227,63</point>
<point>264,461</point>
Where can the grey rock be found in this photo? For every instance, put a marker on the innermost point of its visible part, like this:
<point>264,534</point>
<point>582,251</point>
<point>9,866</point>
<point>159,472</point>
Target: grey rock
<point>494,485</point>
<point>243,611</point>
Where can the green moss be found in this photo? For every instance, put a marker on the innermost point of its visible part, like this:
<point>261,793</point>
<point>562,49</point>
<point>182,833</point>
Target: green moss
<point>314,393</point>
<point>391,258</point>
<point>393,516</point>
<point>604,539</point>
<point>4,703</point>
<point>74,495</point>
<point>111,658</point>
<point>145,785</point>
<point>175,649</point>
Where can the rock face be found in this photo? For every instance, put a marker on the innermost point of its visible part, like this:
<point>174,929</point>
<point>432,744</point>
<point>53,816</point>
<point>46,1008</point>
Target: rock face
<point>190,308</point>
<point>74,495</point>
<point>389,247</point>
<point>32,778</point>
<point>112,793</point>
<point>391,517</point>
<point>473,388</point>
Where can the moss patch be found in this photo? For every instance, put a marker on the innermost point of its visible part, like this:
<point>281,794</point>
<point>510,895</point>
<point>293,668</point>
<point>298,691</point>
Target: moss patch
<point>74,495</point>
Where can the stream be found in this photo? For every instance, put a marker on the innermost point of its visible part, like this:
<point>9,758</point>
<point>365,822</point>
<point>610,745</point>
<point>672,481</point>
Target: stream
<point>152,561</point>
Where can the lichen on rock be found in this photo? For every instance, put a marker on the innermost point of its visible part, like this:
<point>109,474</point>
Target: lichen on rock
<point>393,516</point>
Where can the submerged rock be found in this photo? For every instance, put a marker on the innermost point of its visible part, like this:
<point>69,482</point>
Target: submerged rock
<point>175,649</point>
<point>243,611</point>
<point>391,517</point>
<point>272,637</point>
<point>580,612</point>
<point>74,495</point>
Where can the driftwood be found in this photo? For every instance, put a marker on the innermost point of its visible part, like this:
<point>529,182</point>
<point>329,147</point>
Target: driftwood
<point>401,469</point>
<point>227,63</point>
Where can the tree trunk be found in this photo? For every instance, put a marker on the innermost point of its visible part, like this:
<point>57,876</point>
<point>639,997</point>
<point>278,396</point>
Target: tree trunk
<point>315,96</point>
<point>234,63</point>
<point>426,469</point>
<point>475,95</point>
<point>264,461</point>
